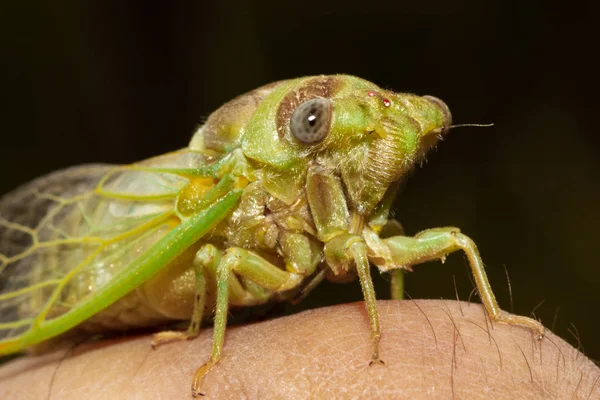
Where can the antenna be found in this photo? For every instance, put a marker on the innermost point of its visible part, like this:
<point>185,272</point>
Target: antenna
<point>475,125</point>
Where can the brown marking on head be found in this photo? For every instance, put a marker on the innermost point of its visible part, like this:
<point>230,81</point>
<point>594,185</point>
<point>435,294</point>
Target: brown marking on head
<point>321,86</point>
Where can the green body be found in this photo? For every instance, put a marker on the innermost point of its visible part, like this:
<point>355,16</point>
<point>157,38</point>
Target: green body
<point>249,212</point>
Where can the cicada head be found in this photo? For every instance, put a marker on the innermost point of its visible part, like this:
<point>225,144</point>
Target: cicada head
<point>370,137</point>
<point>381,144</point>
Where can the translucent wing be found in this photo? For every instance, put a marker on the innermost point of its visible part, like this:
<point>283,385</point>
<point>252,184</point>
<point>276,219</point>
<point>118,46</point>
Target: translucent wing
<point>65,236</point>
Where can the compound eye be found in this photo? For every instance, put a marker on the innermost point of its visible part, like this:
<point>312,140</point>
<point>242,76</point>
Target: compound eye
<point>311,121</point>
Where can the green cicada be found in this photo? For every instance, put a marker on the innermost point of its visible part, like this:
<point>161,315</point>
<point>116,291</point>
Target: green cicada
<point>282,187</point>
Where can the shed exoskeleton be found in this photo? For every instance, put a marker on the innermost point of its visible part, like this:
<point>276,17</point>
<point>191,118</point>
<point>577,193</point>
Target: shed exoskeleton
<point>281,188</point>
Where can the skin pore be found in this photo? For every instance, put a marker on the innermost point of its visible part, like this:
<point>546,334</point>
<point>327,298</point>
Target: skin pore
<point>431,349</point>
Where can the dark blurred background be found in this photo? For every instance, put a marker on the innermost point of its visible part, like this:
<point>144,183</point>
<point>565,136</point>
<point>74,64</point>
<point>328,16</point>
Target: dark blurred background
<point>118,82</point>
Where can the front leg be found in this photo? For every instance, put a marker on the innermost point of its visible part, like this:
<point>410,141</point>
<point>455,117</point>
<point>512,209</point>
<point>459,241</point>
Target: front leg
<point>394,228</point>
<point>435,244</point>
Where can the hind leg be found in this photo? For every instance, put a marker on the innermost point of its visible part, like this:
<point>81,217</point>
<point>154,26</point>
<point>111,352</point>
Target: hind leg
<point>250,266</point>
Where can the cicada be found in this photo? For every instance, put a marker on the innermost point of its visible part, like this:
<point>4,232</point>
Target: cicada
<point>281,188</point>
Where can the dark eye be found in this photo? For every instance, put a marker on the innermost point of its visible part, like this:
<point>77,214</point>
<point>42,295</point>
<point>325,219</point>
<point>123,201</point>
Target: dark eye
<point>310,122</point>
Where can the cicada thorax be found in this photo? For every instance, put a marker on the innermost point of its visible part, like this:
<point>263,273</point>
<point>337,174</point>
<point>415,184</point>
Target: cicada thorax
<point>223,130</point>
<point>260,222</point>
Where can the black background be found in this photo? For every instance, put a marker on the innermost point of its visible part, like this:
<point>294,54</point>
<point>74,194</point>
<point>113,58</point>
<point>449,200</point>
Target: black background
<point>110,82</point>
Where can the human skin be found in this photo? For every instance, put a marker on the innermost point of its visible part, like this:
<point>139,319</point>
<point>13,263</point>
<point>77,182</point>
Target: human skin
<point>431,349</point>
